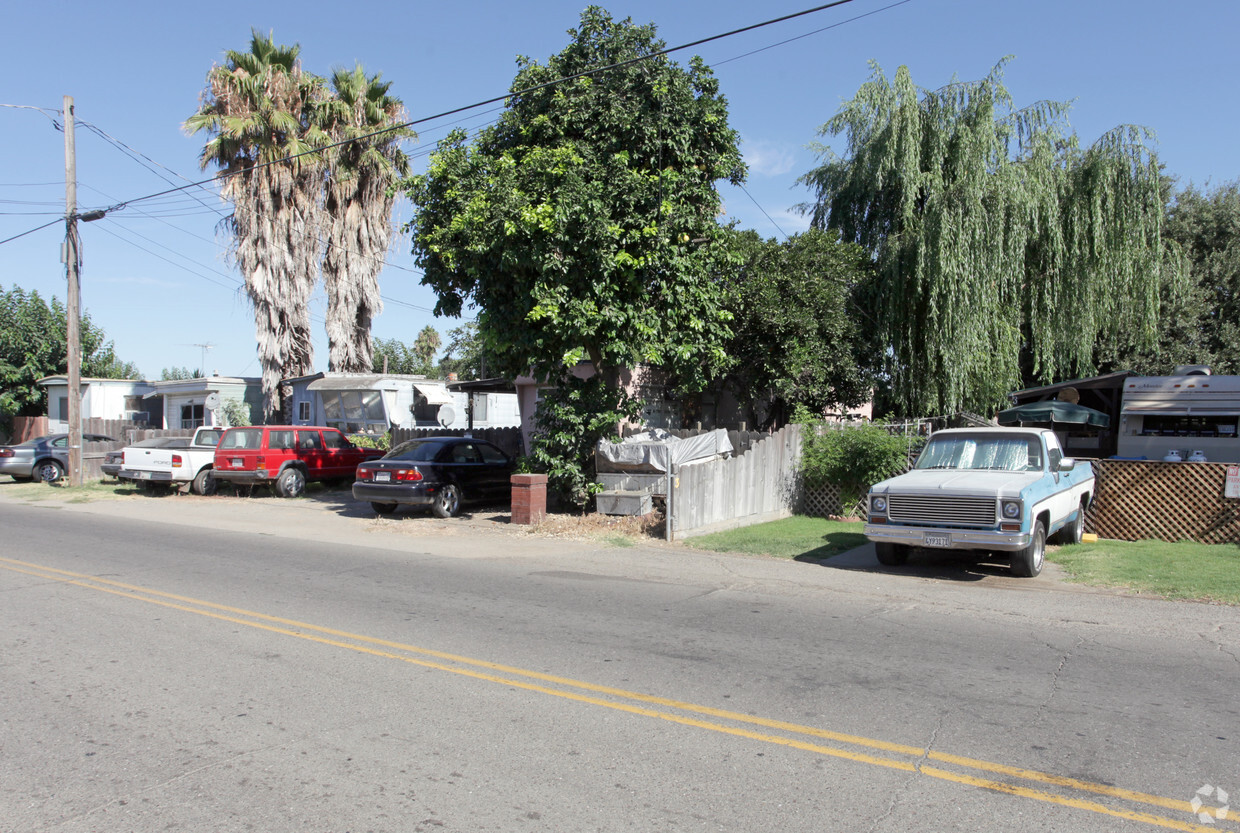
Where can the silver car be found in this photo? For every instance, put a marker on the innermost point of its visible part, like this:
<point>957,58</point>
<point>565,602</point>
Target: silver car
<point>46,458</point>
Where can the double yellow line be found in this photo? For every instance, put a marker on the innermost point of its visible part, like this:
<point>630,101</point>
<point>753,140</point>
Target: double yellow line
<point>1026,783</point>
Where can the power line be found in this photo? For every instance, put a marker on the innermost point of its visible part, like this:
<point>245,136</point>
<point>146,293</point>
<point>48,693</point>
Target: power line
<point>494,100</point>
<point>31,231</point>
<point>763,210</point>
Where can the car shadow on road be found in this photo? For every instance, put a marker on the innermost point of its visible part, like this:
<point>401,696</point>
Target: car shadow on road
<point>342,502</point>
<point>936,564</point>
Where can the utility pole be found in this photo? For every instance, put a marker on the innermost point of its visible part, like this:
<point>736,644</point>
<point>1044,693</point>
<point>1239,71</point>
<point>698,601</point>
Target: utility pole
<point>73,259</point>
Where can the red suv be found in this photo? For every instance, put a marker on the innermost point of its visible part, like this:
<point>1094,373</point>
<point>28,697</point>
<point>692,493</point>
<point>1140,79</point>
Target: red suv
<point>287,456</point>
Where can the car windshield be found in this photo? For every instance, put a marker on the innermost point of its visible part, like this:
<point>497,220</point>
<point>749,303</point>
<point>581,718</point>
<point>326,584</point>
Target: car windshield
<point>975,452</point>
<point>419,451</point>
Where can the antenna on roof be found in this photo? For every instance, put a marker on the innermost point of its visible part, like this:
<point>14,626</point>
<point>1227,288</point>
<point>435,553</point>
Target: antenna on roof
<point>202,366</point>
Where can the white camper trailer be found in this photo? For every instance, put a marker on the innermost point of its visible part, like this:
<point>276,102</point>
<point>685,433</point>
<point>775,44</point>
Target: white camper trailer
<point>1194,415</point>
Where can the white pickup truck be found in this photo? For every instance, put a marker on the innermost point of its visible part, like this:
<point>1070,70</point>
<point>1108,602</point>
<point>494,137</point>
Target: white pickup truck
<point>994,489</point>
<point>191,463</point>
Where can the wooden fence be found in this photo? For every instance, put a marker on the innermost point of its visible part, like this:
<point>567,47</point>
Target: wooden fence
<point>1134,501</point>
<point>1138,500</point>
<point>756,485</point>
<point>508,439</point>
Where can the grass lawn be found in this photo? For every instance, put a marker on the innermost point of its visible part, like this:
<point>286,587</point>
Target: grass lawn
<point>798,536</point>
<point>1184,570</point>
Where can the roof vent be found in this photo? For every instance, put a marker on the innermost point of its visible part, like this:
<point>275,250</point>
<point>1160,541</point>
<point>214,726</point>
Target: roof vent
<point>1192,370</point>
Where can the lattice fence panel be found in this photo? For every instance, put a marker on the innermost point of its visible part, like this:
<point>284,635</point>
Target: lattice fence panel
<point>1139,500</point>
<point>824,502</point>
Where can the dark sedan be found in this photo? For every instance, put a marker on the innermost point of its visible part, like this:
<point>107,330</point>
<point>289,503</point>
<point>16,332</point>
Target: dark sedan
<point>439,472</point>
<point>46,458</point>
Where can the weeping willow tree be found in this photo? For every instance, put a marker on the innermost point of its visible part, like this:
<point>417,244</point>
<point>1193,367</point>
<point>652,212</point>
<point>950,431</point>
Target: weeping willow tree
<point>1000,244</point>
<point>358,202</point>
<point>258,111</point>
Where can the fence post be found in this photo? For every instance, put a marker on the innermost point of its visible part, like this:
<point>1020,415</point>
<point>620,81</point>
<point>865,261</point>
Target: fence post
<point>529,498</point>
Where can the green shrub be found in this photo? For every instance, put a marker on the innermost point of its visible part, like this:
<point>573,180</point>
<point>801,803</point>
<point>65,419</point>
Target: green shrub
<point>851,457</point>
<point>572,417</point>
<point>380,441</point>
<point>235,413</point>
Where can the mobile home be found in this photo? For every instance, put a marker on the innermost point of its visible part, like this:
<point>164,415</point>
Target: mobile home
<point>1194,414</point>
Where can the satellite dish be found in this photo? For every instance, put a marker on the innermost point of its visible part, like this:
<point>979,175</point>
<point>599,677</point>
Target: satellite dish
<point>213,401</point>
<point>447,415</point>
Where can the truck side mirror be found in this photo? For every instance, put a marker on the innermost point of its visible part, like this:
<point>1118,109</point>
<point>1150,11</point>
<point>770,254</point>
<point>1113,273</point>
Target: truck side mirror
<point>1067,464</point>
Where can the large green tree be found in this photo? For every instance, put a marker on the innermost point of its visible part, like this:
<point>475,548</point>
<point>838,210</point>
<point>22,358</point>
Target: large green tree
<point>33,345</point>
<point>999,242</point>
<point>259,113</point>
<point>582,222</point>
<point>799,336</point>
<point>1206,224</point>
<point>466,354</point>
<point>363,120</point>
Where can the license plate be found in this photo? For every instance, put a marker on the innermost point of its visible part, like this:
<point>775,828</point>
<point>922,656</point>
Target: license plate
<point>936,539</point>
<point>144,475</point>
<point>382,476</point>
<point>235,462</point>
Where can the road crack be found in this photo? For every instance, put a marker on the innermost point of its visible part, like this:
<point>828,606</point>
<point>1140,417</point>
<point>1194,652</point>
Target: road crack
<point>897,794</point>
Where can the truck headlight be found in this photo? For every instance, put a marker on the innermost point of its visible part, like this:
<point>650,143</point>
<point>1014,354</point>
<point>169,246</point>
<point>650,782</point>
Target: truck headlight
<point>1011,509</point>
<point>878,504</point>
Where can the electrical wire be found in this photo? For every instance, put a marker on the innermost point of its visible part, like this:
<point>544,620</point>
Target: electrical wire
<point>763,210</point>
<point>31,231</point>
<point>505,97</point>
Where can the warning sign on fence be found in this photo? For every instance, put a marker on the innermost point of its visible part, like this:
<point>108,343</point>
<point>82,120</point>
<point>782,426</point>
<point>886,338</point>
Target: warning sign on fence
<point>1232,488</point>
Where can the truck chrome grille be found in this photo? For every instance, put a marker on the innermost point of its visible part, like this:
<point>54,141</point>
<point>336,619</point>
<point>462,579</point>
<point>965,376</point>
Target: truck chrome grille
<point>955,510</point>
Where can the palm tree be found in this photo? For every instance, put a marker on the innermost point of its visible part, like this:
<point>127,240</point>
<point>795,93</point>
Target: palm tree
<point>257,110</point>
<point>358,201</point>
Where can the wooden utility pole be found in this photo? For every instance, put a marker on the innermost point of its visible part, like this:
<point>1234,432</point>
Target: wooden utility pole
<point>73,304</point>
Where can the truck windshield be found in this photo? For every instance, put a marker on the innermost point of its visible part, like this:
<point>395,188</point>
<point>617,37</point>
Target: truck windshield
<point>981,452</point>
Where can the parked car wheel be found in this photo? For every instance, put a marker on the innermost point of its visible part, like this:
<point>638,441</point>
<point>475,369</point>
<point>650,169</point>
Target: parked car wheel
<point>291,483</point>
<point>447,501</point>
<point>383,508</point>
<point>1027,563</point>
<point>204,483</point>
<point>50,471</point>
<point>891,555</point>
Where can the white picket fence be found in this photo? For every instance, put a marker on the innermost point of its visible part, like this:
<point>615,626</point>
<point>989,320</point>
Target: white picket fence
<point>753,487</point>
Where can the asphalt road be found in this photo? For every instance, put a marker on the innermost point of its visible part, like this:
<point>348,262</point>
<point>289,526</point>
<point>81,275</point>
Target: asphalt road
<point>229,665</point>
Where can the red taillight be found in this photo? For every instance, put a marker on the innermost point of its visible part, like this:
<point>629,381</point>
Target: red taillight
<point>395,475</point>
<point>6,452</point>
<point>176,461</point>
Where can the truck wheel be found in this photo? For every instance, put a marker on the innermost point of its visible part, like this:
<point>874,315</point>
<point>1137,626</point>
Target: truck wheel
<point>1027,563</point>
<point>291,483</point>
<point>447,502</point>
<point>1071,532</point>
<point>204,483</point>
<point>891,555</point>
<point>50,471</point>
<point>383,508</point>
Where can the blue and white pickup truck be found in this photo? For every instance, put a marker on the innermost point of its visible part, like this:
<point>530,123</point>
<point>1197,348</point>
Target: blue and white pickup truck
<point>991,489</point>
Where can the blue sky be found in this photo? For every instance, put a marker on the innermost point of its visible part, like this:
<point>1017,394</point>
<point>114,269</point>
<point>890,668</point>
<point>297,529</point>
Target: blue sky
<point>155,276</point>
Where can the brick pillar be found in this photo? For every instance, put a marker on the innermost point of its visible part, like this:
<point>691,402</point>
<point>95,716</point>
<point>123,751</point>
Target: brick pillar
<point>529,498</point>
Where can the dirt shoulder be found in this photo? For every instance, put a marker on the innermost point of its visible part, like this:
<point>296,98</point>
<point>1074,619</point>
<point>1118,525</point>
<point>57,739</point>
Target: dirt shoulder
<point>333,515</point>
